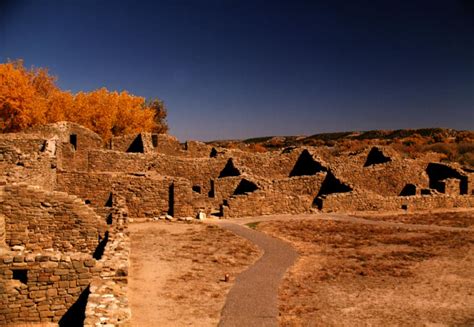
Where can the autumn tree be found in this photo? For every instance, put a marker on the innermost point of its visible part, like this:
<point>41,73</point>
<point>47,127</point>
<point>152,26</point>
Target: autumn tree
<point>160,113</point>
<point>30,97</point>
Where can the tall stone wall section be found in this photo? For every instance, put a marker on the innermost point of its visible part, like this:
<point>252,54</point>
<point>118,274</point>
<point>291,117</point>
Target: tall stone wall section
<point>264,203</point>
<point>146,196</point>
<point>30,159</point>
<point>36,219</point>
<point>50,284</point>
<point>387,179</point>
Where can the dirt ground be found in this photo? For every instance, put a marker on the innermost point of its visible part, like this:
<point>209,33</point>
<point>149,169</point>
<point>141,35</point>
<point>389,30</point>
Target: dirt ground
<point>177,272</point>
<point>351,274</point>
<point>459,218</point>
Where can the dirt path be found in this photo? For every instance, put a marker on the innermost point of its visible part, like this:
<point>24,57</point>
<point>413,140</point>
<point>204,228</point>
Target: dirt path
<point>177,271</point>
<point>253,299</point>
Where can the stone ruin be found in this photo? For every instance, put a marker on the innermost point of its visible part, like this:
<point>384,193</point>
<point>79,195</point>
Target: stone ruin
<point>66,199</point>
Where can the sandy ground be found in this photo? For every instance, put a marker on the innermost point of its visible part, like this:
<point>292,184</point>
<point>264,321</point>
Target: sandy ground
<point>177,272</point>
<point>351,274</point>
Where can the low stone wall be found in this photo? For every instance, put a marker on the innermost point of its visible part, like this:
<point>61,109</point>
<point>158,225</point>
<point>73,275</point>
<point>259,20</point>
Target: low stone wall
<point>114,161</point>
<point>147,196</point>
<point>270,165</point>
<point>225,187</point>
<point>36,219</point>
<point>3,243</point>
<point>108,302</point>
<point>197,149</point>
<point>387,179</point>
<point>354,201</point>
<point>42,287</point>
<point>265,203</point>
<point>301,185</point>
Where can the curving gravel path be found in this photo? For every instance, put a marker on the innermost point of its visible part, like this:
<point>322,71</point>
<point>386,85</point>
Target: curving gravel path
<point>253,299</point>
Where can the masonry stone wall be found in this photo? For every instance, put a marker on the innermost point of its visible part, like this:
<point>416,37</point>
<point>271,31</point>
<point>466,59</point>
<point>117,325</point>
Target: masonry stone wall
<point>79,184</point>
<point>147,196</point>
<point>85,138</point>
<point>28,160</point>
<point>123,143</point>
<point>36,219</point>
<point>42,287</point>
<point>197,149</point>
<point>199,171</point>
<point>387,179</point>
<point>470,182</point>
<point>64,236</point>
<point>354,201</point>
<point>264,203</point>
<point>3,243</point>
<point>271,165</point>
<point>107,302</point>
<point>225,187</point>
<point>451,186</point>
<point>114,161</point>
<point>300,185</point>
<point>22,144</point>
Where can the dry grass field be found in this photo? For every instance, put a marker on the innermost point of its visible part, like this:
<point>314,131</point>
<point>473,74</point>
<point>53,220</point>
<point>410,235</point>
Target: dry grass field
<point>177,272</point>
<point>460,218</point>
<point>352,274</point>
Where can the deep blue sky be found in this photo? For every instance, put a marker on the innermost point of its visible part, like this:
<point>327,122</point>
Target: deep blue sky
<point>238,69</point>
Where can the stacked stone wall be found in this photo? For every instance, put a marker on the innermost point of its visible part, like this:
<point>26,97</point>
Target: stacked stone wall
<point>354,201</point>
<point>146,196</point>
<point>50,284</point>
<point>225,187</point>
<point>36,219</point>
<point>265,203</point>
<point>301,185</point>
<point>387,179</point>
<point>26,160</point>
<point>114,161</point>
<point>270,165</point>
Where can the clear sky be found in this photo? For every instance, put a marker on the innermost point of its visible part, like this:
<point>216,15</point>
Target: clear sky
<point>245,68</point>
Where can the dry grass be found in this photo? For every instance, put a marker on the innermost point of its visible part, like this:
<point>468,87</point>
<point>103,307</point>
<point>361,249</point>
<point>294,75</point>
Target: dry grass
<point>463,218</point>
<point>177,272</point>
<point>352,274</point>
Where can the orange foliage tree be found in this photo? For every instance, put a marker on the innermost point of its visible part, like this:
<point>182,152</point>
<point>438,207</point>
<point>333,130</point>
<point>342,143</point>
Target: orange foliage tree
<point>30,97</point>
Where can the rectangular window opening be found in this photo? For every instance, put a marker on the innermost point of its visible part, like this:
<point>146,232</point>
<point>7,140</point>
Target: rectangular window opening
<point>21,275</point>
<point>73,140</point>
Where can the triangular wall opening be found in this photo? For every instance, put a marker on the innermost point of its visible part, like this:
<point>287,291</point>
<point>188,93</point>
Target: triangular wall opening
<point>376,157</point>
<point>306,165</point>
<point>137,145</point>
<point>229,170</point>
<point>333,185</point>
<point>245,186</point>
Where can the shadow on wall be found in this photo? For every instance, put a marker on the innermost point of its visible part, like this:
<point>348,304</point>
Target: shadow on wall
<point>229,170</point>
<point>245,186</point>
<point>137,145</point>
<point>438,172</point>
<point>330,185</point>
<point>99,251</point>
<point>376,157</point>
<point>306,165</point>
<point>408,190</point>
<point>76,314</point>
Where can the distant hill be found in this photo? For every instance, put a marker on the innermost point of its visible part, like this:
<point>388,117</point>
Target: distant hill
<point>454,144</point>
